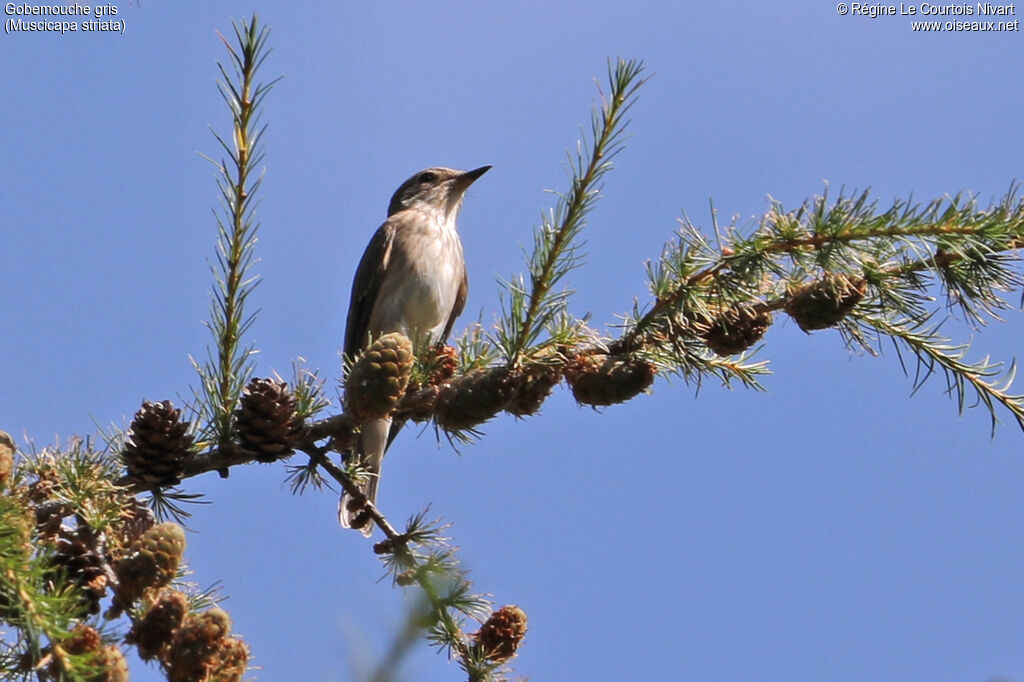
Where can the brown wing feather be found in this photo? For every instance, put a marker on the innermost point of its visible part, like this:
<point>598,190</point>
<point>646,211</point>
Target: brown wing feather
<point>460,303</point>
<point>365,286</point>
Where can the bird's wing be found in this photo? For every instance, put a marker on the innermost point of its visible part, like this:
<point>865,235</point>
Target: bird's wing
<point>365,287</point>
<point>460,303</point>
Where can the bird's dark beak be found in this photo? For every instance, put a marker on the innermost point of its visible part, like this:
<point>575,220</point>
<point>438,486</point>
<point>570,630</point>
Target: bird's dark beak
<point>460,183</point>
<point>469,177</point>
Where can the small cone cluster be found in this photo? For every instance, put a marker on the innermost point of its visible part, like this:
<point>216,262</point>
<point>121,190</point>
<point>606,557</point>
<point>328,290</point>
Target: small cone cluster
<point>501,635</point>
<point>202,650</point>
<point>443,365</point>
<point>474,398</point>
<point>266,421</point>
<point>107,663</point>
<point>159,445</point>
<point>152,634</point>
<point>82,640</point>
<point>41,489</point>
<point>437,369</point>
<point>152,562</point>
<point>378,378</point>
<point>21,523</point>
<point>136,519</point>
<point>112,663</point>
<point>601,380</point>
<point>6,458</point>
<point>825,302</point>
<point>230,661</point>
<point>193,647</point>
<point>535,385</point>
<point>734,330</point>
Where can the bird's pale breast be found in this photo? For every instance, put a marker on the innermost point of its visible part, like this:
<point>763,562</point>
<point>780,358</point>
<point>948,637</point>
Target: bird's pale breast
<point>422,281</point>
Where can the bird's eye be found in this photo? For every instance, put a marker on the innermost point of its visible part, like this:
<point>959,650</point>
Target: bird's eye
<point>427,177</point>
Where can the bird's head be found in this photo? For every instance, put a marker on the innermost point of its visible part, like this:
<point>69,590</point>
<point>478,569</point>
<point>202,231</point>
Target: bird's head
<point>438,189</point>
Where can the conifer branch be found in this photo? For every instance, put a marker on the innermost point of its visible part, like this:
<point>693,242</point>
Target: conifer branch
<point>229,366</point>
<point>988,381</point>
<point>822,235</point>
<point>555,253</point>
<point>71,539</point>
<point>421,554</point>
<point>890,258</point>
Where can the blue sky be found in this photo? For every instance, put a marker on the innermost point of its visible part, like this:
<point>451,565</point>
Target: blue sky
<point>834,528</point>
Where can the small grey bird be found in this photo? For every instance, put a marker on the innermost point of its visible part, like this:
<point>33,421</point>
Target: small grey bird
<point>411,279</point>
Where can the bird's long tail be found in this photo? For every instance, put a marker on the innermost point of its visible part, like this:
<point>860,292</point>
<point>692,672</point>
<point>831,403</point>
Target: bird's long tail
<point>370,447</point>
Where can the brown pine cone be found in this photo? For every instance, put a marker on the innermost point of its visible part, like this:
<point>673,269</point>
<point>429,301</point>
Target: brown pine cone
<point>535,386</point>
<point>501,635</point>
<point>230,661</point>
<point>152,561</point>
<point>136,519</point>
<point>266,420</point>
<point>602,380</point>
<point>734,330</point>
<point>378,378</point>
<point>195,645</point>
<point>474,398</point>
<point>825,302</point>
<point>159,445</point>
<point>82,639</point>
<point>76,553</point>
<point>152,634</point>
